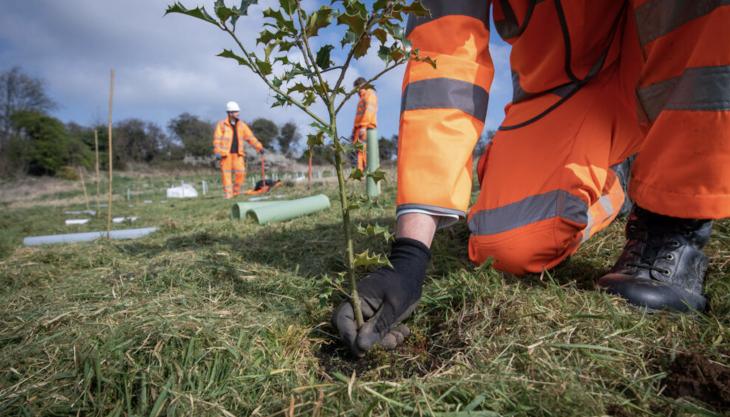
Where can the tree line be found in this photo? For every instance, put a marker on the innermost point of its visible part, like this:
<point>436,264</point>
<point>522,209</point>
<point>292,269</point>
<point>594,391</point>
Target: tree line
<point>36,143</point>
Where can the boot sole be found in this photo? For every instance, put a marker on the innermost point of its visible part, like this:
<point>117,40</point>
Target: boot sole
<point>652,295</point>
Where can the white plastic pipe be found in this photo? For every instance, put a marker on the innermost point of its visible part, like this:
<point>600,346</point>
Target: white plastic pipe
<point>87,237</point>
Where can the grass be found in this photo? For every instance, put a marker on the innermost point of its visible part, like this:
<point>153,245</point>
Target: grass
<point>211,317</point>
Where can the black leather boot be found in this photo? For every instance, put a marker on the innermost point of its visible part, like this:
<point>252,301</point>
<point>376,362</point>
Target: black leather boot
<point>662,266</point>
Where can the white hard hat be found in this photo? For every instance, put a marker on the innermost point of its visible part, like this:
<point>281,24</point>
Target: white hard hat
<point>232,106</point>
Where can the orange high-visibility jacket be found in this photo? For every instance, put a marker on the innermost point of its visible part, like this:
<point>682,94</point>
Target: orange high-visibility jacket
<point>678,70</point>
<point>224,135</point>
<point>367,110</point>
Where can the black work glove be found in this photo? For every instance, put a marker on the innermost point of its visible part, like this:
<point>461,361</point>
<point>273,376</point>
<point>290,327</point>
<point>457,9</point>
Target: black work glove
<point>388,296</point>
<point>261,151</point>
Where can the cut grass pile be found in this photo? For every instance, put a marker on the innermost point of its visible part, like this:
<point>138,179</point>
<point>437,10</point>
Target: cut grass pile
<point>215,317</point>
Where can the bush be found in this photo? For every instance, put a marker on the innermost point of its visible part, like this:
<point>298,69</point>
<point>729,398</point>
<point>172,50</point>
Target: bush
<point>14,157</point>
<point>45,145</point>
<point>68,173</point>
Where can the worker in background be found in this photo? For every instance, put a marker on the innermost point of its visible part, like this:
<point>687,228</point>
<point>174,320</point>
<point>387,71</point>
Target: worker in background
<point>365,118</point>
<point>228,148</point>
<point>594,82</point>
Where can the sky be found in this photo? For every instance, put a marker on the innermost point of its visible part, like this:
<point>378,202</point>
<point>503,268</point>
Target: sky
<point>168,65</point>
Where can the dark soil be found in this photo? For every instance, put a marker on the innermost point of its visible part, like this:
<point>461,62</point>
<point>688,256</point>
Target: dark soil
<point>336,357</point>
<point>693,375</point>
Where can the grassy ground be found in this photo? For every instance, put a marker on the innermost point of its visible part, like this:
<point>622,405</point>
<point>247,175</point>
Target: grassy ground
<point>211,316</point>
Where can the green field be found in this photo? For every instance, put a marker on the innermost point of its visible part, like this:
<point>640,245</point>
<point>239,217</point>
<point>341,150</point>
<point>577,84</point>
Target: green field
<point>214,317</point>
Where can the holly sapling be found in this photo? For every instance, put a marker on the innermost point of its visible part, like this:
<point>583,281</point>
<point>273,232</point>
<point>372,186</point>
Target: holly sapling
<point>291,56</point>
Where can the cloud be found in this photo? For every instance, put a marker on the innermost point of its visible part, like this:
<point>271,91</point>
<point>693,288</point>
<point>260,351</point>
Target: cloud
<point>164,65</point>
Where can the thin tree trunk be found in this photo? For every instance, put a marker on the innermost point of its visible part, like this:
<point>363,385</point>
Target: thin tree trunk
<point>344,205</point>
<point>96,151</point>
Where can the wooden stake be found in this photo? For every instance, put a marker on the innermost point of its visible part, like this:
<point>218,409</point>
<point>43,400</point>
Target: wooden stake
<point>309,174</point>
<point>83,186</point>
<point>110,149</point>
<point>96,151</point>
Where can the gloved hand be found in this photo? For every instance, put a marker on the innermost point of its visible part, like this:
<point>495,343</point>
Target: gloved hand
<point>388,296</point>
<point>261,151</point>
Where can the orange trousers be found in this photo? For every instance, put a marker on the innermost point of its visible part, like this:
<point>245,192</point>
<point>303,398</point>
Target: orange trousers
<point>546,186</point>
<point>361,136</point>
<point>233,174</point>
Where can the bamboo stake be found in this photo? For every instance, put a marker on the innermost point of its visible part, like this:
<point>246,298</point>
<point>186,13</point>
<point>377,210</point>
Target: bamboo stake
<point>83,186</point>
<point>309,173</point>
<point>96,151</point>
<point>109,126</point>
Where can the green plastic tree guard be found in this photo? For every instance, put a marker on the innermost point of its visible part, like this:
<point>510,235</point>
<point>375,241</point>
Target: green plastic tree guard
<point>238,211</point>
<point>373,188</point>
<point>286,210</point>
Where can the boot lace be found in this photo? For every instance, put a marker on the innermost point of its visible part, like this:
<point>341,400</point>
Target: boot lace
<point>647,257</point>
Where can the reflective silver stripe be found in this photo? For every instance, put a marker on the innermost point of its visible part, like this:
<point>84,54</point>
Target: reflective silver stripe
<point>436,210</point>
<point>529,210</point>
<point>478,9</point>
<point>605,201</point>
<point>587,230</point>
<point>446,93</point>
<point>702,88</point>
<point>656,18</point>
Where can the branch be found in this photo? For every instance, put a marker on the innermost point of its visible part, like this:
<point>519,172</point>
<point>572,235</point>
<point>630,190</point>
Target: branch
<point>332,69</point>
<point>257,71</point>
<point>307,51</point>
<point>370,81</point>
<point>350,55</point>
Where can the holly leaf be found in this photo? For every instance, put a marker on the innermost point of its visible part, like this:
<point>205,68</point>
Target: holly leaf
<point>366,259</point>
<point>245,4</point>
<point>315,139</point>
<point>198,12</point>
<point>264,67</point>
<point>362,47</point>
<point>318,20</point>
<point>380,5</point>
<point>266,36</point>
<point>227,53</point>
<point>377,175</point>
<point>323,56</point>
<point>349,38</point>
<point>416,8</point>
<point>297,88</point>
<point>375,230</point>
<point>381,34</point>
<point>282,23</point>
<point>355,22</point>
<point>357,174</point>
<point>384,53</point>
<point>289,6</point>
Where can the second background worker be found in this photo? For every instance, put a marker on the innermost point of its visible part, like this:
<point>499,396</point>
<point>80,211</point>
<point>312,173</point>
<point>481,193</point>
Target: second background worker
<point>228,148</point>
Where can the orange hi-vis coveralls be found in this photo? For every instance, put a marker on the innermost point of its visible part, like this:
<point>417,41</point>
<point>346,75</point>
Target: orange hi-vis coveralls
<point>233,165</point>
<point>365,118</point>
<point>594,82</point>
